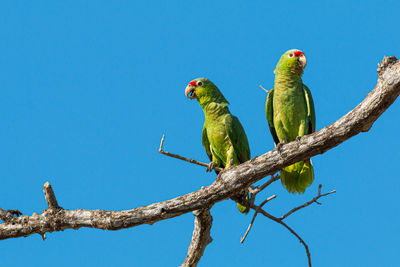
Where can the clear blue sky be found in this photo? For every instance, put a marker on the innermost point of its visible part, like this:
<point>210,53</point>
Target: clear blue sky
<point>89,87</point>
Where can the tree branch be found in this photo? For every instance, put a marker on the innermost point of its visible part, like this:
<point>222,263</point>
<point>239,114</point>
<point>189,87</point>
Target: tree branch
<point>258,209</point>
<point>308,203</point>
<point>200,239</point>
<point>265,90</point>
<point>255,215</point>
<point>229,182</point>
<point>257,190</point>
<point>183,158</point>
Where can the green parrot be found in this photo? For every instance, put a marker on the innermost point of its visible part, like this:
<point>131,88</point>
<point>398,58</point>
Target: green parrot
<point>223,135</point>
<point>290,115</point>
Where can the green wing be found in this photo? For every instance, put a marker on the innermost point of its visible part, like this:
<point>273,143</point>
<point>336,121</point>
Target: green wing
<point>206,143</point>
<point>269,111</point>
<point>238,137</point>
<point>310,109</point>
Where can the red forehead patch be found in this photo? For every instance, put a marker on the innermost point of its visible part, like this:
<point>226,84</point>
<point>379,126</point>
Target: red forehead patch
<point>193,83</point>
<point>298,53</point>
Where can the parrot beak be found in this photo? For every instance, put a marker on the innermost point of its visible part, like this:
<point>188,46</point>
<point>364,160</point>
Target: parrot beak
<point>190,91</point>
<point>302,61</point>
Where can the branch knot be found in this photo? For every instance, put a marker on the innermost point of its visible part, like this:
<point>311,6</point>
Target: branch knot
<point>386,62</point>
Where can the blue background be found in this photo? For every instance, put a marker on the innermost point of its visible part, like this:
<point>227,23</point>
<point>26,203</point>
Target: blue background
<point>89,87</point>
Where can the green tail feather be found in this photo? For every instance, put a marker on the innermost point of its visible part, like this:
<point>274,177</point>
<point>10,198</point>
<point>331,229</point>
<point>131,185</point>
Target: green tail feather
<point>244,198</point>
<point>297,177</point>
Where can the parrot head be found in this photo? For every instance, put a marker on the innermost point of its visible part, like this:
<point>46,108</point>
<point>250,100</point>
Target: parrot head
<point>204,91</point>
<point>293,61</point>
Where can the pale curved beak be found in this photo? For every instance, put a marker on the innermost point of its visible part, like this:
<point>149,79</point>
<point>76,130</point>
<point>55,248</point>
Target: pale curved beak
<point>303,61</point>
<point>190,92</point>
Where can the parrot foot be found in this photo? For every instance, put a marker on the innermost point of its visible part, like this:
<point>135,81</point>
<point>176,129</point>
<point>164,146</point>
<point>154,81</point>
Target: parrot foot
<point>211,166</point>
<point>298,138</point>
<point>15,212</point>
<point>279,146</point>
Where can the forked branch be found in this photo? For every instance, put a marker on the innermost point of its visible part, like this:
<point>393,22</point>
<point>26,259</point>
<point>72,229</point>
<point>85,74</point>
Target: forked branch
<point>258,209</point>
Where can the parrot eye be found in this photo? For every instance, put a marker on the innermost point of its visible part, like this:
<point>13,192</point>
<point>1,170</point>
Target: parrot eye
<point>291,55</point>
<point>199,83</point>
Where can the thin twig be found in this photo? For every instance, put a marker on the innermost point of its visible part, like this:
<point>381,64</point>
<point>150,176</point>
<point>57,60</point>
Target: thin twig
<point>308,203</point>
<point>264,89</point>
<point>183,158</point>
<point>254,217</point>
<point>257,190</point>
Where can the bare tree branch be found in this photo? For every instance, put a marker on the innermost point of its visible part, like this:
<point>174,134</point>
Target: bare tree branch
<point>258,209</point>
<point>200,239</point>
<point>183,158</point>
<point>308,203</point>
<point>255,215</point>
<point>265,90</point>
<point>257,190</point>
<point>229,182</point>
